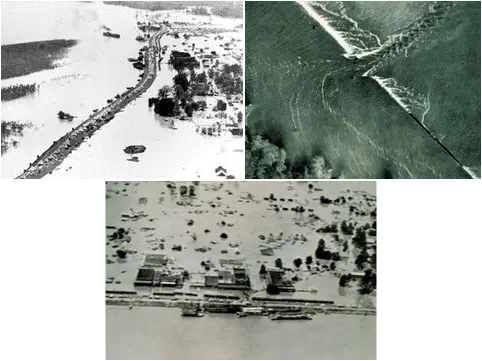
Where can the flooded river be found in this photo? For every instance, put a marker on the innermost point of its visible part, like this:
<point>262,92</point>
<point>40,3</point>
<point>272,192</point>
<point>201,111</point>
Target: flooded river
<point>161,333</point>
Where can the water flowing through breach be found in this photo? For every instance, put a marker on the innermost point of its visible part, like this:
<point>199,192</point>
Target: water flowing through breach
<point>389,55</point>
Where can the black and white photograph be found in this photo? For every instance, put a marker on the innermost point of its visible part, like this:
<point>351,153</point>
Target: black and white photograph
<point>122,90</point>
<point>241,270</point>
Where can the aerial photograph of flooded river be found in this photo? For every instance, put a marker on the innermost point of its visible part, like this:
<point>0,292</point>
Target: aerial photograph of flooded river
<point>363,89</point>
<point>122,90</point>
<point>241,270</point>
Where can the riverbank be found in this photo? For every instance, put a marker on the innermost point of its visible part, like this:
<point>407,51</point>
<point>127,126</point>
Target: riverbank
<point>26,58</point>
<point>270,307</point>
<point>60,149</point>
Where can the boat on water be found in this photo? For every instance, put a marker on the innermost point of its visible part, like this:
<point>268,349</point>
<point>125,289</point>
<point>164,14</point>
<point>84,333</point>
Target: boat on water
<point>252,311</point>
<point>111,35</point>
<point>290,316</point>
<point>192,313</point>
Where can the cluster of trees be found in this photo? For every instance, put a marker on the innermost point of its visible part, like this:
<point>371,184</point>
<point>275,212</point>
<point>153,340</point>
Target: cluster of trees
<point>331,228</point>
<point>199,83</point>
<point>360,238</point>
<point>233,11</point>
<point>265,160</point>
<point>171,99</point>
<point>220,106</point>
<point>347,228</point>
<point>344,280</point>
<point>200,10</point>
<point>368,282</point>
<point>322,253</point>
<point>230,79</point>
<point>17,91</point>
<point>325,200</point>
<point>361,259</point>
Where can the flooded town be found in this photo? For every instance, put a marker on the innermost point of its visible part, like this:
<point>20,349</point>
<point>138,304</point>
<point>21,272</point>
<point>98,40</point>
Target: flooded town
<point>122,90</point>
<point>246,262</point>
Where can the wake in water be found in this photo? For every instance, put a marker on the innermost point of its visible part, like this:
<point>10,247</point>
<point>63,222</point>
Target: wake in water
<point>366,47</point>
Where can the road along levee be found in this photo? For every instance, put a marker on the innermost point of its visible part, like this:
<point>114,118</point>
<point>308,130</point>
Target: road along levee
<point>61,148</point>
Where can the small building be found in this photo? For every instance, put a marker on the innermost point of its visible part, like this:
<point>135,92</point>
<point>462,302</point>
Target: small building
<point>145,277</point>
<point>357,274</point>
<point>277,277</point>
<point>268,251</point>
<point>155,260</point>
<point>230,263</point>
<point>225,274</point>
<point>171,280</point>
<point>211,279</point>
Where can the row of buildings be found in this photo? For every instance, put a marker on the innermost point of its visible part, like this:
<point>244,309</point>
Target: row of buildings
<point>231,275</point>
<point>155,272</point>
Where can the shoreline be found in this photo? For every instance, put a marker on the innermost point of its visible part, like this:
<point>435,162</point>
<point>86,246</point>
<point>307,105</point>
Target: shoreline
<point>48,161</point>
<point>276,306</point>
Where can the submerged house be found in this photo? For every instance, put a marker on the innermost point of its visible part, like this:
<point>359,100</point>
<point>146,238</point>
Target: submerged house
<point>145,277</point>
<point>277,278</point>
<point>155,260</point>
<point>232,275</point>
<point>181,60</point>
<point>221,171</point>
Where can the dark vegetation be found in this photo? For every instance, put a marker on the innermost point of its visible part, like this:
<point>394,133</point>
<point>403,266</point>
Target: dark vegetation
<point>234,11</point>
<point>26,58</point>
<point>11,130</point>
<point>200,10</point>
<point>187,84</point>
<point>266,159</point>
<point>17,91</point>
<point>230,79</point>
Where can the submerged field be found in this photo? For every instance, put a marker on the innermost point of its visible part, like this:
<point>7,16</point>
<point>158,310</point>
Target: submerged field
<point>365,117</point>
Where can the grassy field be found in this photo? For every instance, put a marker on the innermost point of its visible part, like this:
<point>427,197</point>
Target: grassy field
<point>26,58</point>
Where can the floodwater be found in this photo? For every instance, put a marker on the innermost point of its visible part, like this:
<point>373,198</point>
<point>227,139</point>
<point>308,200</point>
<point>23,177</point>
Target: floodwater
<point>179,154</point>
<point>241,212</point>
<point>89,74</point>
<point>94,70</point>
<point>161,333</point>
<point>246,216</point>
<point>310,99</point>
